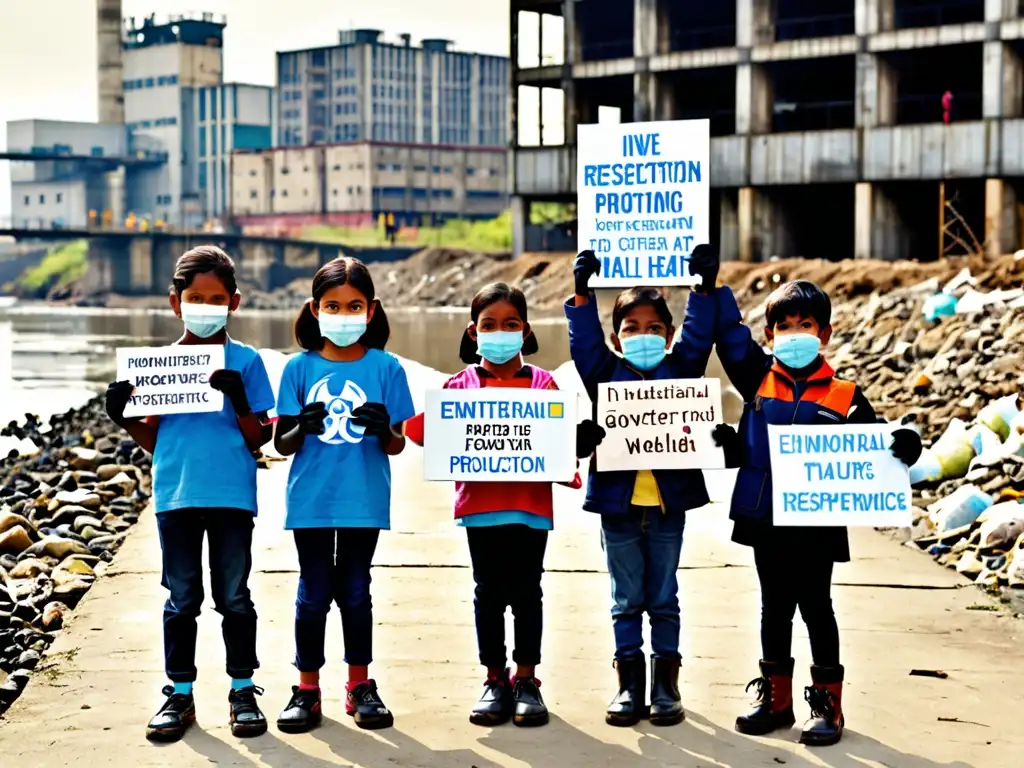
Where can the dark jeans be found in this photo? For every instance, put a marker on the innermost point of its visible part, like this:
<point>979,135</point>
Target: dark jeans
<point>229,533</point>
<point>789,580</point>
<point>643,556</point>
<point>508,561</point>
<point>334,566</point>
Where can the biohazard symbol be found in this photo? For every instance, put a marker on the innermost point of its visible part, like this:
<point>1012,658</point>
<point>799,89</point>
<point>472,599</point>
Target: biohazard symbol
<point>340,429</point>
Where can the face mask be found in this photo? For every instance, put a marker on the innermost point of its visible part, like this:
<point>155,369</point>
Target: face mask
<point>797,350</point>
<point>499,347</point>
<point>342,330</point>
<point>644,351</point>
<point>204,320</point>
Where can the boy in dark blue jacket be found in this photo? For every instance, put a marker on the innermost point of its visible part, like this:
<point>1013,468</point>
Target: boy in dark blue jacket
<point>643,513</point>
<point>791,385</point>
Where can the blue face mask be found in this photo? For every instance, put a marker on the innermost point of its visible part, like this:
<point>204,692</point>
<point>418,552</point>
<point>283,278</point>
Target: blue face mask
<point>342,330</point>
<point>644,351</point>
<point>796,350</point>
<point>498,347</point>
<point>204,320</point>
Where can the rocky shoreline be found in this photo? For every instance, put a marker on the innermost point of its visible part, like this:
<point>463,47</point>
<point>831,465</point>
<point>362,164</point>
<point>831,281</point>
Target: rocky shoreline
<point>71,490</point>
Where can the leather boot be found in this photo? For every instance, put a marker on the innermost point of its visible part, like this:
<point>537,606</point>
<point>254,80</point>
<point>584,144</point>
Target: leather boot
<point>628,707</point>
<point>825,697</point>
<point>666,703</point>
<point>774,706</point>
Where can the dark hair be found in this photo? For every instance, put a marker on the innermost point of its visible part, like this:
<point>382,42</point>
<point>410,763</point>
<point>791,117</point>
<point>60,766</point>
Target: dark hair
<point>342,271</point>
<point>488,295</point>
<point>632,298</point>
<point>801,298</point>
<point>202,259</point>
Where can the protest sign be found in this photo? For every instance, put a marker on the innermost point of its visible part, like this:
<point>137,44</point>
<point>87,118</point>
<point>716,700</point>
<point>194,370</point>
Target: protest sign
<point>643,199</point>
<point>516,435</point>
<point>173,379</point>
<point>664,424</point>
<point>838,476</point>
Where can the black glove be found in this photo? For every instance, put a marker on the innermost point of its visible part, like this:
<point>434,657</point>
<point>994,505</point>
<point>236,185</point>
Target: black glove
<point>311,418</point>
<point>584,267</point>
<point>729,441</point>
<point>117,397</point>
<point>589,435</point>
<point>704,264</point>
<point>230,383</point>
<point>374,418</point>
<point>906,446</point>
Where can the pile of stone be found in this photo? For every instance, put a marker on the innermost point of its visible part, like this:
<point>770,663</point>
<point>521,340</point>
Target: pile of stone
<point>69,492</point>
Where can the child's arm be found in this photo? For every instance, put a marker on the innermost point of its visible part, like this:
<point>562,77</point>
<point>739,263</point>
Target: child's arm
<point>294,420</point>
<point>142,430</point>
<point>692,350</point>
<point>385,420</point>
<point>744,360</point>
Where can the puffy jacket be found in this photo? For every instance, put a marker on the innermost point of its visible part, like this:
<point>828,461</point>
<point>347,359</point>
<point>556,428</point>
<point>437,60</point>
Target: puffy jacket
<point>610,493</point>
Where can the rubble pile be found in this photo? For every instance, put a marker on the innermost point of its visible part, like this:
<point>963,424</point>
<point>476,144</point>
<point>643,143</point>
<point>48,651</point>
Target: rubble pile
<point>69,492</point>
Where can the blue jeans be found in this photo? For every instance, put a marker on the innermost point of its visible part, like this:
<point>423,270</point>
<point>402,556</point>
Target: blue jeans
<point>643,556</point>
<point>229,534</point>
<point>334,567</point>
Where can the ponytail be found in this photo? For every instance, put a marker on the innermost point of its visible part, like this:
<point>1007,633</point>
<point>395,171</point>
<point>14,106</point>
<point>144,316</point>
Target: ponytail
<point>307,328</point>
<point>378,331</point>
<point>469,355</point>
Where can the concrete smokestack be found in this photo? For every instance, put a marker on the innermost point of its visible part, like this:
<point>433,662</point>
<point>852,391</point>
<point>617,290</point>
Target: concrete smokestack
<point>110,70</point>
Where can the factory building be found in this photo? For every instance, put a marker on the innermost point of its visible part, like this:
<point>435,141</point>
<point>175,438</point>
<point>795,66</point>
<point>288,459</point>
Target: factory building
<point>366,89</point>
<point>353,184</point>
<point>840,128</point>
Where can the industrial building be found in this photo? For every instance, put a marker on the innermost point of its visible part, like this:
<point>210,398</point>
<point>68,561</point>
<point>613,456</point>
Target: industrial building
<point>840,128</point>
<point>352,184</point>
<point>366,89</point>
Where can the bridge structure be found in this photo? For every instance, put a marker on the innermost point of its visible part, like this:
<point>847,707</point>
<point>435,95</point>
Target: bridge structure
<point>136,262</point>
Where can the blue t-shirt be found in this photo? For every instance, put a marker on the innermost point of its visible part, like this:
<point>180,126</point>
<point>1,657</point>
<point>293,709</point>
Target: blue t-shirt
<point>201,459</point>
<point>339,479</point>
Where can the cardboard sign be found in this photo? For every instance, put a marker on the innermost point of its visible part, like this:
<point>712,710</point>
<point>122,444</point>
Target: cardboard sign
<point>506,435</point>
<point>838,476</point>
<point>664,424</point>
<point>173,379</point>
<point>644,199</point>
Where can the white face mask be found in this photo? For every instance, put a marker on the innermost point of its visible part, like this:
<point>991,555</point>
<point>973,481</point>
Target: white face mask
<point>342,330</point>
<point>204,320</point>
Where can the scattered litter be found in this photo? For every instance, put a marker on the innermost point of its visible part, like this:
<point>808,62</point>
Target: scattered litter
<point>937,673</point>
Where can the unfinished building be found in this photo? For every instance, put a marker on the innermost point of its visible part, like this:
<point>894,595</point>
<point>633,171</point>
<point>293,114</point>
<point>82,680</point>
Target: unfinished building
<point>840,128</point>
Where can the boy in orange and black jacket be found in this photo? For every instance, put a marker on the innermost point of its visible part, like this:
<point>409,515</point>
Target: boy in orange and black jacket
<point>791,385</point>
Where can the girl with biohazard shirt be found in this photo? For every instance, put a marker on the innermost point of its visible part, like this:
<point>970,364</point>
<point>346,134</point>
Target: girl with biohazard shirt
<point>336,406</point>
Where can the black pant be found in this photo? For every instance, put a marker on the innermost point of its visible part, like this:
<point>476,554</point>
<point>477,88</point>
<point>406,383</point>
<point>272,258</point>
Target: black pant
<point>229,533</point>
<point>508,561</point>
<point>790,579</point>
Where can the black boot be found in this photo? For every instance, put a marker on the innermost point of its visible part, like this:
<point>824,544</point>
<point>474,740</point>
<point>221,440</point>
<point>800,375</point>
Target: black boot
<point>629,705</point>
<point>530,707</point>
<point>774,706</point>
<point>496,704</point>
<point>302,712</point>
<point>364,705</point>
<point>666,703</point>
<point>825,697</point>
<point>246,718</point>
<point>173,718</point>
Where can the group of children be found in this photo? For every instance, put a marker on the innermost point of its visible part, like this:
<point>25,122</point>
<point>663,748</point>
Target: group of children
<point>344,407</point>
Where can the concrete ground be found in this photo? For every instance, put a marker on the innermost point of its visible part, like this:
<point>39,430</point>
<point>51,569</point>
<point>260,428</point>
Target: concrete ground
<point>90,702</point>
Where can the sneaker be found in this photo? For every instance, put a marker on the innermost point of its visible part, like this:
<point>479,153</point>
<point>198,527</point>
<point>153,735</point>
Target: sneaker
<point>364,704</point>
<point>530,709</point>
<point>173,718</point>
<point>246,718</point>
<point>496,704</point>
<point>302,712</point>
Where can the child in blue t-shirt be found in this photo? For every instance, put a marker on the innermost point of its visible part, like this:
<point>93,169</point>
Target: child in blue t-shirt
<point>204,484</point>
<point>336,406</point>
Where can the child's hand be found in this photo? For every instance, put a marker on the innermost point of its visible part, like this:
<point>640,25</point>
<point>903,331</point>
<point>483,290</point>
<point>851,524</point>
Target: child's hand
<point>704,264</point>
<point>230,383</point>
<point>589,435</point>
<point>906,446</point>
<point>728,440</point>
<point>584,267</point>
<point>311,418</point>
<point>117,397</point>
<point>374,418</point>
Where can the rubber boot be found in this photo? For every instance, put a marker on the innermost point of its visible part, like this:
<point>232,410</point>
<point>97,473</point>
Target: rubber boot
<point>825,697</point>
<point>666,703</point>
<point>774,706</point>
<point>629,705</point>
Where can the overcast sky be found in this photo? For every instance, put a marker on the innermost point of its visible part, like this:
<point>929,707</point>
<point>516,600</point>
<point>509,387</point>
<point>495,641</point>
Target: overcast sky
<point>48,47</point>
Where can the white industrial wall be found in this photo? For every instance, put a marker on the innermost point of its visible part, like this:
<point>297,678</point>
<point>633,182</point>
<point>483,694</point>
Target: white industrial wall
<point>42,204</point>
<point>347,170</point>
<point>254,105</point>
<point>22,135</point>
<point>297,187</point>
<point>252,179</point>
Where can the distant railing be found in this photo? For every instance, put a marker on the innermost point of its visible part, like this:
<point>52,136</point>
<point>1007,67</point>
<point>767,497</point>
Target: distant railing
<point>788,117</point>
<point>95,224</point>
<point>831,25</point>
<point>703,38</point>
<point>940,14</point>
<point>914,109</point>
<point>64,152</point>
